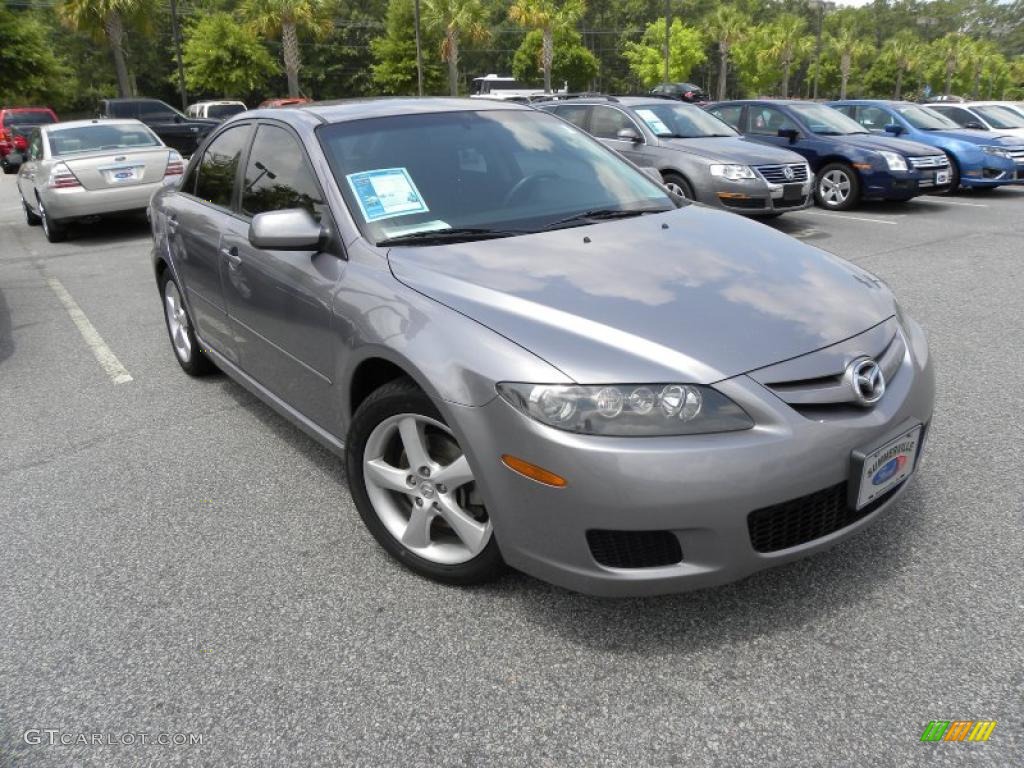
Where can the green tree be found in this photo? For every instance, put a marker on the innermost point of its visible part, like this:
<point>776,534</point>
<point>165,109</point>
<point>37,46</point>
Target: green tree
<point>788,44</point>
<point>286,17</point>
<point>647,58</point>
<point>394,53</point>
<point>106,19</point>
<point>224,58</point>
<point>29,68</point>
<point>548,16</point>
<point>572,63</point>
<point>758,74</point>
<point>455,20</point>
<point>846,42</point>
<point>903,50</point>
<point>951,51</point>
<point>726,27</point>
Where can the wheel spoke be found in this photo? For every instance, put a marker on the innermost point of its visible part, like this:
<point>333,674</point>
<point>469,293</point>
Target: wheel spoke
<point>472,533</point>
<point>414,442</point>
<point>386,476</point>
<point>417,532</point>
<point>455,474</point>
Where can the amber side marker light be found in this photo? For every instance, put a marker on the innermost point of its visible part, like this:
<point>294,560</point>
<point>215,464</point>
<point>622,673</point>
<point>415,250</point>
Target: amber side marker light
<point>532,471</point>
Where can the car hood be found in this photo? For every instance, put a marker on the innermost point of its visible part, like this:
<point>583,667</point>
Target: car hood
<point>733,149</point>
<point>889,143</point>
<point>980,138</point>
<point>693,295</point>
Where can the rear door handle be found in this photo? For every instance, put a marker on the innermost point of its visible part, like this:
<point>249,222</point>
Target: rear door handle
<point>231,254</point>
<point>172,223</point>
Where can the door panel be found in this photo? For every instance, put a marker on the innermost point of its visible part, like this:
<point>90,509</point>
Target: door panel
<point>281,301</point>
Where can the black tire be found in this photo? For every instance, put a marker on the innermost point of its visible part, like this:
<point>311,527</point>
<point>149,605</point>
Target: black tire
<point>194,363</point>
<point>837,171</point>
<point>954,177</point>
<point>32,219</point>
<point>682,186</point>
<point>55,230</point>
<point>8,168</point>
<point>398,397</point>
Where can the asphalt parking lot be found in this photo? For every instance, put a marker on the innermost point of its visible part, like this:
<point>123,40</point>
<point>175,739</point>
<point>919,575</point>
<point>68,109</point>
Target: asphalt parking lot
<point>177,559</point>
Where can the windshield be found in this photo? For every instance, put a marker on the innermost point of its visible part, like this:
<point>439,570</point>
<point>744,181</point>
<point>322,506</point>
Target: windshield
<point>507,171</point>
<point>683,121</point>
<point>89,138</point>
<point>926,119</point>
<point>827,121</point>
<point>1001,117</point>
<point>28,117</point>
<point>224,110</point>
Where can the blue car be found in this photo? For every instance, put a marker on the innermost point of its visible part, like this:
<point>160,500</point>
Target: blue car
<point>850,163</point>
<point>977,158</point>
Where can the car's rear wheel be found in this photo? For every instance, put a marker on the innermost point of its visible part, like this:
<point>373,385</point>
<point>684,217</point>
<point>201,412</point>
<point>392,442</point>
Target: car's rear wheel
<point>56,231</point>
<point>8,168</point>
<point>677,185</point>
<point>179,329</point>
<point>31,218</point>
<point>414,488</point>
<point>837,187</point>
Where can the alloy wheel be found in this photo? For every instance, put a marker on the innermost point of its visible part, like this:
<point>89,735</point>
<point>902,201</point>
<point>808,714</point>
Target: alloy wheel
<point>835,187</point>
<point>676,189</point>
<point>177,322</point>
<point>420,485</point>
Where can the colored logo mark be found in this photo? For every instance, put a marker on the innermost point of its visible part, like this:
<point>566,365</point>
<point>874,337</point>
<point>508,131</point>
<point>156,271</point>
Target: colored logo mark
<point>889,469</point>
<point>958,730</point>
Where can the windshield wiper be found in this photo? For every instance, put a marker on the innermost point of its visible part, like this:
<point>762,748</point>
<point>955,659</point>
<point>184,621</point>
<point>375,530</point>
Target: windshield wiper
<point>449,235</point>
<point>601,214</point>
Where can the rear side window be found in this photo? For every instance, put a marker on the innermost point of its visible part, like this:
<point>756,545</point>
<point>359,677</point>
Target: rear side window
<point>873,118</point>
<point>219,166</point>
<point>768,121</point>
<point>729,115</point>
<point>958,115</point>
<point>278,176</point>
<point>576,115</point>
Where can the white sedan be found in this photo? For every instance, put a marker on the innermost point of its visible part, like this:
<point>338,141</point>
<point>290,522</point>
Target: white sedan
<point>87,168</point>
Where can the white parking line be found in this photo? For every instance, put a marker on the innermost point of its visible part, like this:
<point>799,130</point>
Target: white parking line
<point>953,202</point>
<point>836,215</point>
<point>107,359</point>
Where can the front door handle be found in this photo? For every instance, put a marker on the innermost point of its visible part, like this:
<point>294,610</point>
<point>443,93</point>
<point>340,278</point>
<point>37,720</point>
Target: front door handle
<point>231,254</point>
<point>172,224</point>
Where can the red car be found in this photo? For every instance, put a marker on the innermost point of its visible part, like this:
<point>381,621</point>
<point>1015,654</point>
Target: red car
<point>289,101</point>
<point>13,123</point>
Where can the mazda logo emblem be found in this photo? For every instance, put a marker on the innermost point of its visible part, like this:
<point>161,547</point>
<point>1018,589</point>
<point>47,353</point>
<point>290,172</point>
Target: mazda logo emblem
<point>867,381</point>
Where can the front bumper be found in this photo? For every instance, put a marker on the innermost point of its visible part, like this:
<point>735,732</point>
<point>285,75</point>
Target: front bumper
<point>756,197</point>
<point>899,185</point>
<point>76,202</point>
<point>699,488</point>
<point>993,172</point>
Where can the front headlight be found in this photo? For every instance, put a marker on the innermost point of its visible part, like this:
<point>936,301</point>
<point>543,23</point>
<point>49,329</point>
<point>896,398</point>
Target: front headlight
<point>997,151</point>
<point>628,410</point>
<point>894,160</point>
<point>732,172</point>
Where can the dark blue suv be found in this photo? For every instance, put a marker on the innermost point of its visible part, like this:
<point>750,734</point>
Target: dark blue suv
<point>850,164</point>
<point>977,158</point>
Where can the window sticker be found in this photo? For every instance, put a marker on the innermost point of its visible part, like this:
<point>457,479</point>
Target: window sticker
<point>424,226</point>
<point>385,193</point>
<point>653,121</point>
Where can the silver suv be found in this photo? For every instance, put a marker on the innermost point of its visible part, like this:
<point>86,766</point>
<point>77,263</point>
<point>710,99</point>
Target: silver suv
<point>697,155</point>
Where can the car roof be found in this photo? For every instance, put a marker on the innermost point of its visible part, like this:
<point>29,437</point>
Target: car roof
<point>53,127</point>
<point>359,109</point>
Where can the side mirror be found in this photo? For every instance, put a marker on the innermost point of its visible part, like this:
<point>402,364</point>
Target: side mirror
<point>789,133</point>
<point>293,229</point>
<point>894,129</point>
<point>974,125</point>
<point>629,134</point>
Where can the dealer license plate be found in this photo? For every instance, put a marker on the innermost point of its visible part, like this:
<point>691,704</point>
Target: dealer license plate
<point>792,192</point>
<point>882,469</point>
<point>122,174</point>
<point>941,177</point>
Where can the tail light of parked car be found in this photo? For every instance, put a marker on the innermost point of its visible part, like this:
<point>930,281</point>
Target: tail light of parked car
<point>61,177</point>
<point>175,164</point>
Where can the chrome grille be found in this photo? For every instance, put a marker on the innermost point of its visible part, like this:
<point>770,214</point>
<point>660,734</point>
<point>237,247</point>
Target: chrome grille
<point>776,174</point>
<point>1017,153</point>
<point>929,161</point>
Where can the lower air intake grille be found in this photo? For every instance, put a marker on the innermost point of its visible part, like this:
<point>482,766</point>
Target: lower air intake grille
<point>634,549</point>
<point>810,517</point>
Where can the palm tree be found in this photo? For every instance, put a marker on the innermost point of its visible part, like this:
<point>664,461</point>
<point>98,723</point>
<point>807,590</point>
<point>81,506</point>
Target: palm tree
<point>978,58</point>
<point>548,16</point>
<point>455,19</point>
<point>847,42</point>
<point>285,17</point>
<point>789,43</point>
<point>105,19</point>
<point>904,50</point>
<point>953,48</point>
<point>726,26</point>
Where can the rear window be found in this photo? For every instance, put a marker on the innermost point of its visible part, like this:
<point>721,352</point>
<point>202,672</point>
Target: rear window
<point>224,110</point>
<point>89,138</point>
<point>28,117</point>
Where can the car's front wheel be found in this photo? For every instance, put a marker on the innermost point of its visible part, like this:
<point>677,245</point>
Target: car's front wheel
<point>414,488</point>
<point>678,185</point>
<point>837,187</point>
<point>179,329</point>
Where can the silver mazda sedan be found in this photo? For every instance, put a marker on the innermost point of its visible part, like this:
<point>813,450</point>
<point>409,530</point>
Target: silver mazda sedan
<point>530,354</point>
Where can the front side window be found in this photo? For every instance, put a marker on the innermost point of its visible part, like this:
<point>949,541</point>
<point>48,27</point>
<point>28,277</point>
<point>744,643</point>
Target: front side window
<point>90,138</point>
<point>768,121</point>
<point>35,145</point>
<point>873,118</point>
<point>825,121</point>
<point>278,177</point>
<point>605,122</point>
<point>958,115</point>
<point>157,110</point>
<point>468,171</point>
<point>219,167</point>
<point>681,121</point>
